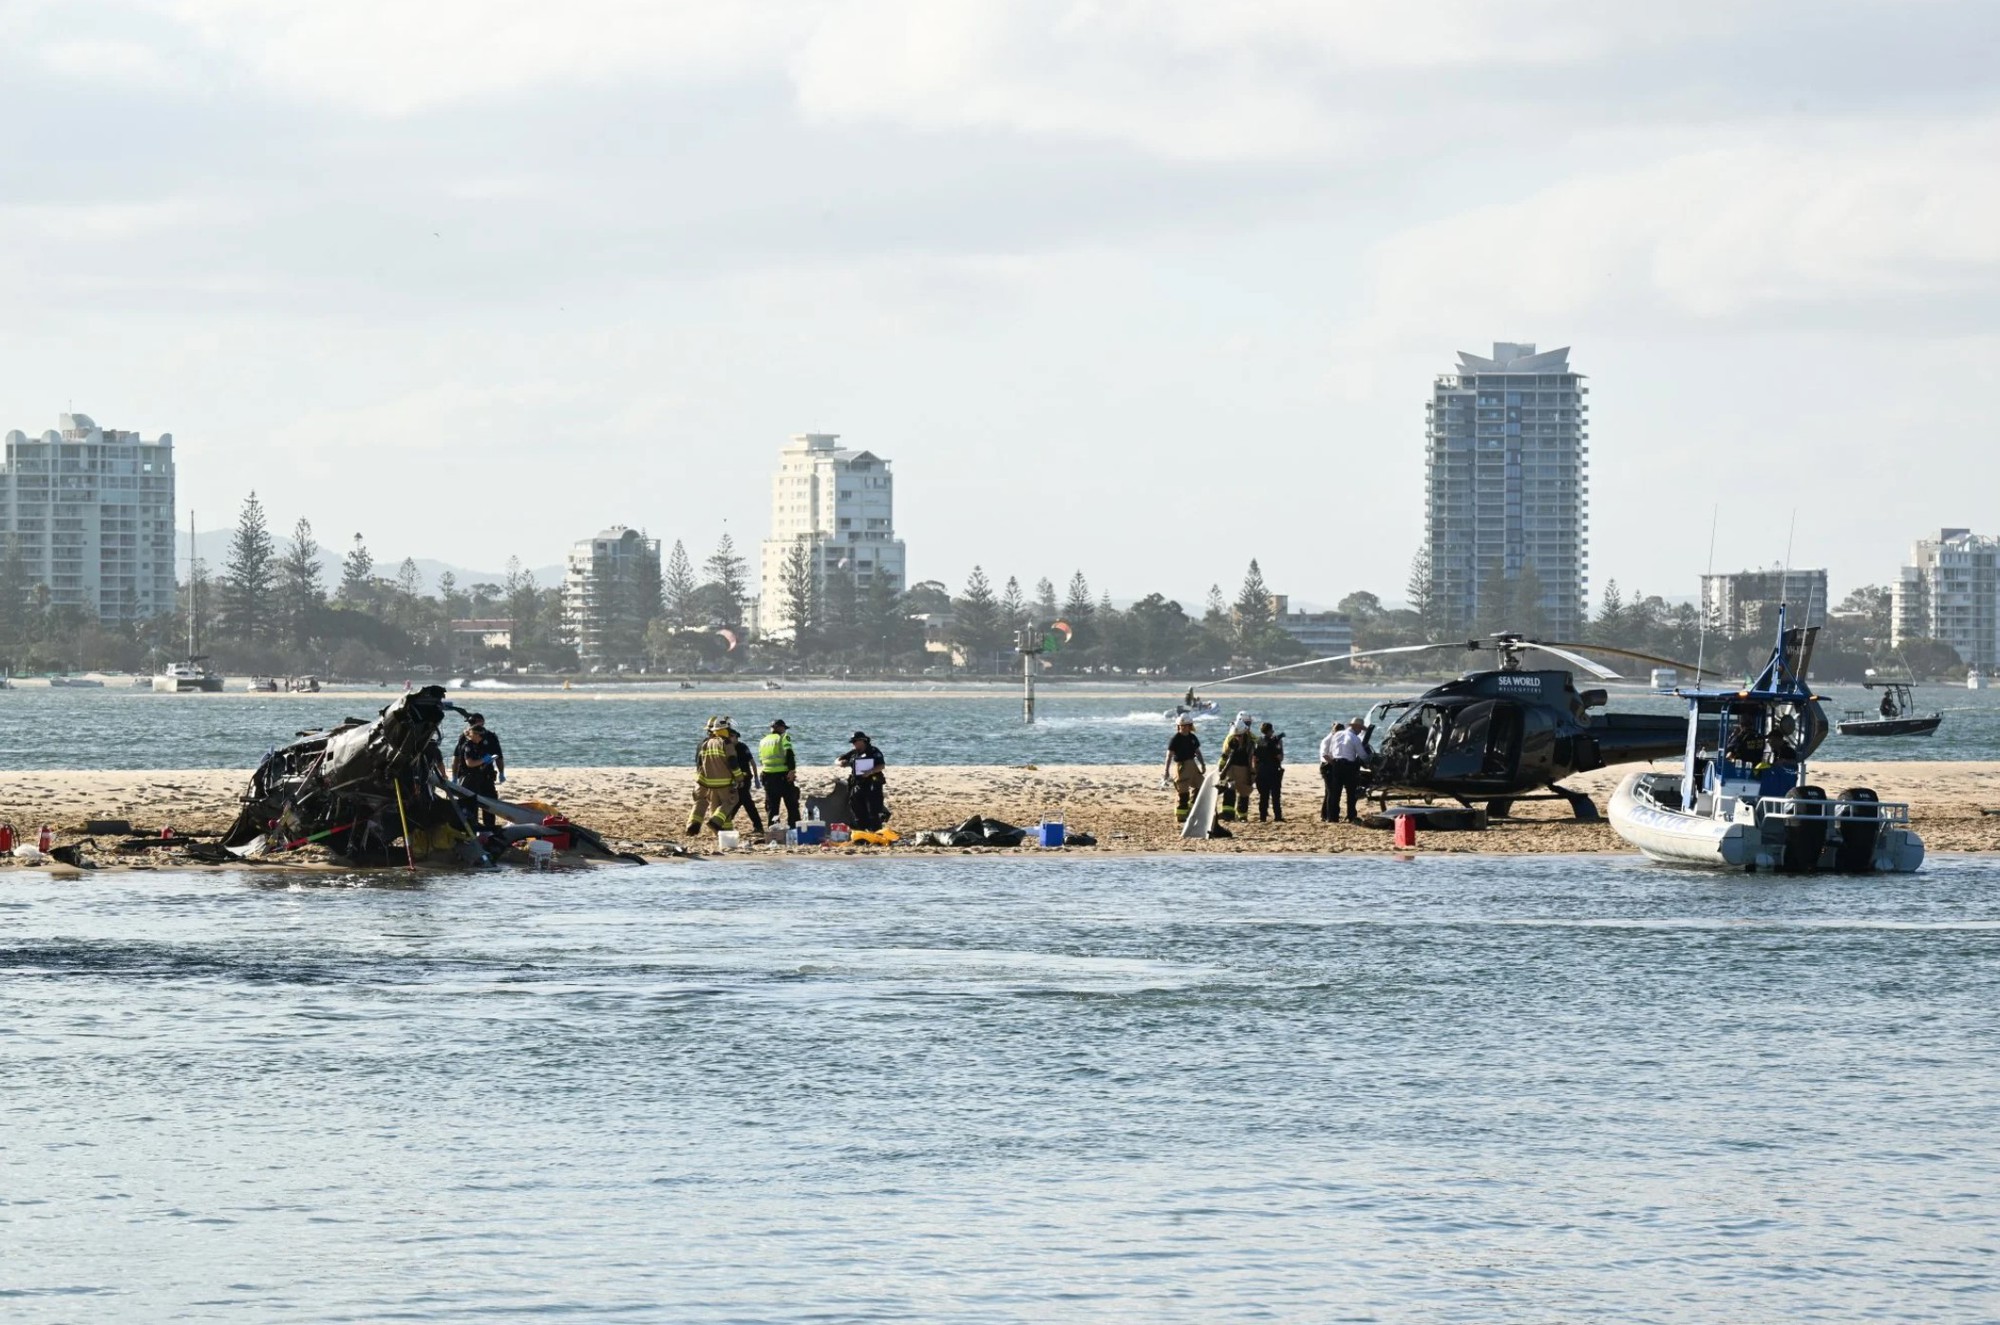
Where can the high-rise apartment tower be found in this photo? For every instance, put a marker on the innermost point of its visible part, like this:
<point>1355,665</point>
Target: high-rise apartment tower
<point>842,505</point>
<point>1506,511</point>
<point>93,511</point>
<point>1951,592</point>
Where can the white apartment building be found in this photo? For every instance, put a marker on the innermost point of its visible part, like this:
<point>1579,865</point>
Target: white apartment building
<point>1506,484</point>
<point>842,504</point>
<point>603,618</point>
<point>1746,603</point>
<point>93,510</point>
<point>1951,592</point>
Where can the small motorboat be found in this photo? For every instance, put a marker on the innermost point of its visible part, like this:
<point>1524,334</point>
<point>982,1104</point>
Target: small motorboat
<point>1975,679</point>
<point>262,685</point>
<point>1896,715</point>
<point>1194,707</point>
<point>1741,799</point>
<point>58,681</point>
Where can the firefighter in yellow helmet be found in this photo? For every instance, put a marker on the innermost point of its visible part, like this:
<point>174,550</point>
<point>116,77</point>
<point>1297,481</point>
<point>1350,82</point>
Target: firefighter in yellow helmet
<point>714,778</point>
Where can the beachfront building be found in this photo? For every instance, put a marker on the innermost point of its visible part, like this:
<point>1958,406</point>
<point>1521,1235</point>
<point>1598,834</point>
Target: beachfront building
<point>840,503</point>
<point>1319,633</point>
<point>92,512</point>
<point>1746,602</point>
<point>481,642</point>
<point>1950,591</point>
<point>611,593</point>
<point>1506,490</point>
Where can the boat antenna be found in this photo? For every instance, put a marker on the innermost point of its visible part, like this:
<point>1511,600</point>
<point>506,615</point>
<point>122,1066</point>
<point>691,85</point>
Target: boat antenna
<point>1701,635</point>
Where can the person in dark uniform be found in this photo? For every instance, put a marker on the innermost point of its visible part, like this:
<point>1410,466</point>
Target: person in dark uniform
<point>477,763</point>
<point>865,783</point>
<point>1268,765</point>
<point>746,780</point>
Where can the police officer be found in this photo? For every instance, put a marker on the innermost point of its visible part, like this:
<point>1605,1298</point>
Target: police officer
<point>714,778</point>
<point>779,763</point>
<point>477,763</point>
<point>865,782</point>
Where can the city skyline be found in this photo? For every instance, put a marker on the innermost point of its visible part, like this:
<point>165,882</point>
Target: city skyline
<point>1105,270</point>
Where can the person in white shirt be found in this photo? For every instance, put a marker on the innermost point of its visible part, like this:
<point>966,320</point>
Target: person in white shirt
<point>1340,756</point>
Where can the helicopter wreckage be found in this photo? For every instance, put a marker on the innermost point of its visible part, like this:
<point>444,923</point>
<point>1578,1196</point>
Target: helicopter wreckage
<point>376,793</point>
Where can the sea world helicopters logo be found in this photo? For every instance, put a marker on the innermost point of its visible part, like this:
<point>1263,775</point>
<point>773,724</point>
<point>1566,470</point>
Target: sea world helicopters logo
<point>1507,682</point>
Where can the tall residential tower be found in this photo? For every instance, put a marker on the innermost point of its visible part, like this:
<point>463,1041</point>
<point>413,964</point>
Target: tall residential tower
<point>93,512</point>
<point>841,505</point>
<point>1506,493</point>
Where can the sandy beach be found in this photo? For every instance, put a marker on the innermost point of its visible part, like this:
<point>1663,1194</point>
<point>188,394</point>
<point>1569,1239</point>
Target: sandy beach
<point>644,809</point>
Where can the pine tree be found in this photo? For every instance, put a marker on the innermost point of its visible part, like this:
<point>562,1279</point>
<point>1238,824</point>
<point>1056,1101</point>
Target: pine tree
<point>729,577</point>
<point>300,595</point>
<point>1078,609</point>
<point>357,574</point>
<point>840,611</point>
<point>976,620</point>
<point>1216,613</point>
<point>883,622</point>
<point>801,597</point>
<point>1253,606</point>
<point>677,588</point>
<point>247,592</point>
<point>1421,594</point>
<point>647,590</point>
<point>1013,609</point>
<point>1609,627</point>
<point>1045,601</point>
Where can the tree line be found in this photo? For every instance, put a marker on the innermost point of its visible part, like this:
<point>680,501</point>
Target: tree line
<point>271,611</point>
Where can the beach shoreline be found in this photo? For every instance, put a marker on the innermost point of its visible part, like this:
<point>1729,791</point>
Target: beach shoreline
<point>645,809</point>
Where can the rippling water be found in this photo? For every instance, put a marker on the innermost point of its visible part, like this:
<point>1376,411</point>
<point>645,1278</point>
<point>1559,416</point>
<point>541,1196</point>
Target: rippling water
<point>1140,1089</point>
<point>122,728</point>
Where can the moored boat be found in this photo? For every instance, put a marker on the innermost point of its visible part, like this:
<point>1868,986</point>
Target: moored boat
<point>1741,798</point>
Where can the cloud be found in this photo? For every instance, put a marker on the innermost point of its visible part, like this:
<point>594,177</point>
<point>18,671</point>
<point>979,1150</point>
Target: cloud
<point>1802,225</point>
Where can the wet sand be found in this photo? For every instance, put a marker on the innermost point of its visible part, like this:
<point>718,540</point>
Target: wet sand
<point>643,809</point>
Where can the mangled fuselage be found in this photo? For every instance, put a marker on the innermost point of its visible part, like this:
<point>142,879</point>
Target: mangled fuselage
<point>377,793</point>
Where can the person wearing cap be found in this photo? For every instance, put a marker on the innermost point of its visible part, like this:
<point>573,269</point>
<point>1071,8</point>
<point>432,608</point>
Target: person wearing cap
<point>1185,766</point>
<point>779,763</point>
<point>865,782</point>
<point>1239,756</point>
<point>714,778</point>
<point>477,763</point>
<point>1340,757</point>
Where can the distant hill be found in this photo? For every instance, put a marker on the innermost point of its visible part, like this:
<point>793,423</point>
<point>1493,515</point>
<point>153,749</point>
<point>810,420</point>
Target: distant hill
<point>213,545</point>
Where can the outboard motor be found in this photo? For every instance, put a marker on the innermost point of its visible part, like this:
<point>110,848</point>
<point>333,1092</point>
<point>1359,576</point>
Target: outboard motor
<point>1860,827</point>
<point>1805,838</point>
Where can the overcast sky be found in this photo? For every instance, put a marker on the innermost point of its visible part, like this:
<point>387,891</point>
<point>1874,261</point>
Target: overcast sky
<point>1141,288</point>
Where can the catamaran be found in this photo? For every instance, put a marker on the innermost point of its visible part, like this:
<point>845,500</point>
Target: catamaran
<point>1741,798</point>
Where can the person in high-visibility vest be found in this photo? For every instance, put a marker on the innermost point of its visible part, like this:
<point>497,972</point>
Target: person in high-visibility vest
<point>714,778</point>
<point>779,764</point>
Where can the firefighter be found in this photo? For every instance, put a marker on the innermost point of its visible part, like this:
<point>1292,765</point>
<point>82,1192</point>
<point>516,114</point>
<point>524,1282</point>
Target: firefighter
<point>714,778</point>
<point>779,763</point>
<point>1239,752</point>
<point>1184,769</point>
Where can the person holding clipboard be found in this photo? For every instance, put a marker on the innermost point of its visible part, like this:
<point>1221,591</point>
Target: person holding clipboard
<point>865,783</point>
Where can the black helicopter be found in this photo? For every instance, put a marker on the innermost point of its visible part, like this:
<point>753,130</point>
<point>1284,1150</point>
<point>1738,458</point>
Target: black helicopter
<point>1508,733</point>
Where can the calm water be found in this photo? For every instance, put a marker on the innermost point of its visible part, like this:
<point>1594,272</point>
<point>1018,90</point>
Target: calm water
<point>1146,1090</point>
<point>123,728</point>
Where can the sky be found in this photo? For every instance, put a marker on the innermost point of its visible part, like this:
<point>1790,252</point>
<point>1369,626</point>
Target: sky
<point>1141,289</point>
